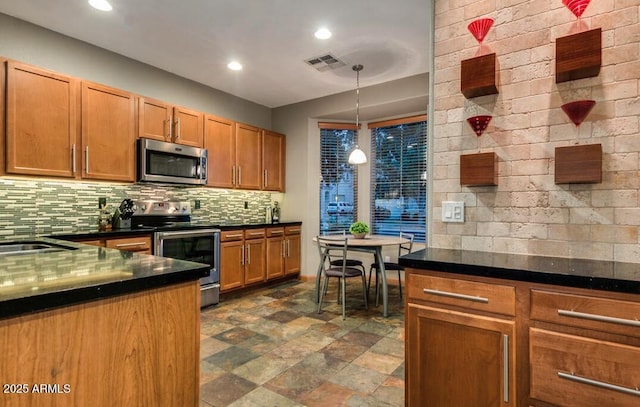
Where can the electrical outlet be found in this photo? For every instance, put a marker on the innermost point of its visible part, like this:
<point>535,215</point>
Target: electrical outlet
<point>452,211</point>
<point>196,204</point>
<point>102,202</point>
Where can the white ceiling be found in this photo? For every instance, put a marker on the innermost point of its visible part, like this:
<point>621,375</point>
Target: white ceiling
<point>196,39</point>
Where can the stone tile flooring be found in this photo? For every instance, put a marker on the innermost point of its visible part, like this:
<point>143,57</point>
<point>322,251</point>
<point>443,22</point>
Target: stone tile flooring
<point>271,348</point>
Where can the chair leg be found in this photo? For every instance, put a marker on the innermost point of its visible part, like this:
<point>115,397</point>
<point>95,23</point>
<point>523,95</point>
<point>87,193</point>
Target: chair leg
<point>324,289</point>
<point>365,292</point>
<point>369,284</point>
<point>343,282</point>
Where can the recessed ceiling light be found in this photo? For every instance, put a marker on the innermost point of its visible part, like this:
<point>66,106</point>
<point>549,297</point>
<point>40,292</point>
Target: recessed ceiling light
<point>100,5</point>
<point>323,34</point>
<point>234,66</point>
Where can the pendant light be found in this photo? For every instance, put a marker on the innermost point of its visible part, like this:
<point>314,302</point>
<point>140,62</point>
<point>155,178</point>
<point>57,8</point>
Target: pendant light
<point>357,156</point>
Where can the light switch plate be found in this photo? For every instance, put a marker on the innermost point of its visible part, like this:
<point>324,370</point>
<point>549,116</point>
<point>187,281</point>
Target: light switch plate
<point>452,211</point>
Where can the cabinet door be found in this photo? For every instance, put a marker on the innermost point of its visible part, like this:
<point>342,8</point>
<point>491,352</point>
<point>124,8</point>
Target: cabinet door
<point>273,161</point>
<point>220,142</point>
<point>459,359</point>
<point>292,257</point>
<point>42,126</point>
<point>108,133</point>
<point>231,265</point>
<point>254,267</point>
<point>248,163</point>
<point>188,127</point>
<point>154,119</point>
<point>275,257</point>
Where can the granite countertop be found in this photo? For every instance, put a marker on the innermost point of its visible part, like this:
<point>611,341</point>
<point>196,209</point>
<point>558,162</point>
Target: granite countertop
<point>40,281</point>
<point>580,273</point>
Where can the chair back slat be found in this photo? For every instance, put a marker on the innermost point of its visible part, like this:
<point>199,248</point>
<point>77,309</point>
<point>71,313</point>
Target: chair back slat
<point>333,248</point>
<point>406,248</point>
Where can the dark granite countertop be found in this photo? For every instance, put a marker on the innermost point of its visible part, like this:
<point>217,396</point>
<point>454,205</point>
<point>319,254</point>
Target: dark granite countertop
<point>579,273</point>
<point>41,281</point>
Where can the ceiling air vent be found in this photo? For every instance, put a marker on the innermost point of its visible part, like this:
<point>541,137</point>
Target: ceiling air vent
<point>324,62</point>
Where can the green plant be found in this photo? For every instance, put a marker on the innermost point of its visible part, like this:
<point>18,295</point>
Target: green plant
<point>359,227</point>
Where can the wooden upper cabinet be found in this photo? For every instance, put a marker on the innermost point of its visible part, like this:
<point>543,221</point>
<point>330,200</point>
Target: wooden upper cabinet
<point>248,157</point>
<point>108,133</point>
<point>273,160</point>
<point>162,121</point>
<point>220,142</point>
<point>42,122</point>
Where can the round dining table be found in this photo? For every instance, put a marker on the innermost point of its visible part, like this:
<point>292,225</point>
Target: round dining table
<point>370,244</point>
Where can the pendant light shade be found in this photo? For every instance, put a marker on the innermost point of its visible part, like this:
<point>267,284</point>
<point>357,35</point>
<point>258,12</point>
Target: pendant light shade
<point>357,156</point>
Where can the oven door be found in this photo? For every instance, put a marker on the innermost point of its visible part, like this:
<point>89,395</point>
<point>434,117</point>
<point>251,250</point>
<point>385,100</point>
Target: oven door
<point>201,246</point>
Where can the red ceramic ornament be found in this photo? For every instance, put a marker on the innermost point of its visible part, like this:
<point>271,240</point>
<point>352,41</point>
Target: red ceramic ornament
<point>479,28</point>
<point>479,124</point>
<point>578,110</point>
<point>577,7</point>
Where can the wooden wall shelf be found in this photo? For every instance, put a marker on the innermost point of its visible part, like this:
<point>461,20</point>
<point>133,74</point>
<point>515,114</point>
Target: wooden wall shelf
<point>478,76</point>
<point>579,55</point>
<point>479,169</point>
<point>578,164</point>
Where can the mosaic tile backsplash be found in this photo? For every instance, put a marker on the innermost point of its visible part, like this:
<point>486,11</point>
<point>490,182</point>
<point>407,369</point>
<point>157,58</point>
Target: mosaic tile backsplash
<point>29,207</point>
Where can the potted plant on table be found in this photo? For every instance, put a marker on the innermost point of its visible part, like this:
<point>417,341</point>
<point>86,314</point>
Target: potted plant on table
<point>359,229</point>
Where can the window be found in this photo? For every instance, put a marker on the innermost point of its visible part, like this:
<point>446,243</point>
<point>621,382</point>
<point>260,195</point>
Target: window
<point>399,177</point>
<point>339,179</point>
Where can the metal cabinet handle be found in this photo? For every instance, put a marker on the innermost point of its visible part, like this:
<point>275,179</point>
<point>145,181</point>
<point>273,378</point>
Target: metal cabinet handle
<point>277,232</point>
<point>597,383</point>
<point>505,368</point>
<point>131,244</point>
<point>73,159</point>
<point>266,177</point>
<point>178,130</point>
<point>599,318</point>
<point>288,248</point>
<point>248,253</point>
<point>456,295</point>
<point>242,258</point>
<point>294,230</point>
<point>233,175</point>
<point>170,127</point>
<point>239,175</point>
<point>283,250</point>
<point>256,233</point>
<point>234,235</point>
<point>86,160</point>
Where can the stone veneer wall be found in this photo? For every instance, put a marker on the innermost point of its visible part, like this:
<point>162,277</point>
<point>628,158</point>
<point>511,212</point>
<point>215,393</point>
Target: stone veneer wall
<point>527,212</point>
<point>44,207</point>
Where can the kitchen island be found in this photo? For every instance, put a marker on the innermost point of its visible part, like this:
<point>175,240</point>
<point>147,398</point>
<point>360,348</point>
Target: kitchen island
<point>85,325</point>
<point>498,329</point>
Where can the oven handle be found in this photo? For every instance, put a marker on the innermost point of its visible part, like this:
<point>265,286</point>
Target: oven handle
<point>186,233</point>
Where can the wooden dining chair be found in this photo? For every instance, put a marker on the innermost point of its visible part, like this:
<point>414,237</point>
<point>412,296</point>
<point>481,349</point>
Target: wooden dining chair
<point>326,248</point>
<point>403,249</point>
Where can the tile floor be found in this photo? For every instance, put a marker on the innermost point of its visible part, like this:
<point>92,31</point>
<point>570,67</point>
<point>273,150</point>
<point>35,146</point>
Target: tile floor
<point>271,348</point>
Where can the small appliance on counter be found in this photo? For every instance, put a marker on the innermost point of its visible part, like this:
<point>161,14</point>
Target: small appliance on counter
<point>275,213</point>
<point>122,215</point>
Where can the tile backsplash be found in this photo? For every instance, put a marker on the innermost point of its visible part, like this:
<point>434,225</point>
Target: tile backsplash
<point>30,207</point>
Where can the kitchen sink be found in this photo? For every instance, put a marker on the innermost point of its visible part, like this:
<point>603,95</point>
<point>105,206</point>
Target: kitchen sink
<point>31,248</point>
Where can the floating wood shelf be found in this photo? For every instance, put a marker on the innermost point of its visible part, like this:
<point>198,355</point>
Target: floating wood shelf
<point>478,76</point>
<point>479,169</point>
<point>579,55</point>
<point>579,164</point>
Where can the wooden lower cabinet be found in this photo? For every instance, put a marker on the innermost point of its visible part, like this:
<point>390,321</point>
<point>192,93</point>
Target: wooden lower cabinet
<point>476,341</point>
<point>231,261</point>
<point>255,257</point>
<point>276,251</point>
<point>139,244</point>
<point>459,359</point>
<point>292,258</point>
<point>139,349</point>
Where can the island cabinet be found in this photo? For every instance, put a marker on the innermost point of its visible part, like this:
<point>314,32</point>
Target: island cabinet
<point>174,124</point>
<point>461,343</point>
<point>273,161</point>
<point>136,349</point>
<point>42,127</point>
<point>108,133</point>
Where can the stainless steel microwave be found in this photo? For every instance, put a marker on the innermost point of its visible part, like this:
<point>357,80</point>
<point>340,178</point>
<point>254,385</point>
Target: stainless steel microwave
<point>159,161</point>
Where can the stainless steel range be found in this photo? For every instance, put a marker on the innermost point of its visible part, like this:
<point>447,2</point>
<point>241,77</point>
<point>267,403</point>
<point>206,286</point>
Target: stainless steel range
<point>176,237</point>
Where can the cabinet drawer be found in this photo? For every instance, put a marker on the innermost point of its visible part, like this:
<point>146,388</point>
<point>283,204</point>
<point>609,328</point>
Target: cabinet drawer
<point>275,232</point>
<point>293,230</point>
<point>496,298</point>
<point>569,370</point>
<point>600,314</point>
<point>132,244</point>
<point>254,233</point>
<point>230,235</point>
